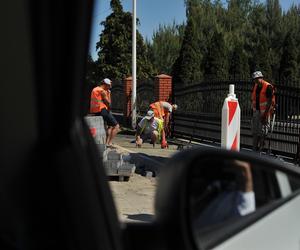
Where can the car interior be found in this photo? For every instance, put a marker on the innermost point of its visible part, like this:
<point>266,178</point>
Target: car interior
<point>53,194</point>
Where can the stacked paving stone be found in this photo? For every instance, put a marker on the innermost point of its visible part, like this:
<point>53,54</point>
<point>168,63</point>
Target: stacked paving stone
<point>118,165</point>
<point>115,163</point>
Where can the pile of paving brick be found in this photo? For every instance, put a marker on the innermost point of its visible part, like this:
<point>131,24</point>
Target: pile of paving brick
<point>116,164</point>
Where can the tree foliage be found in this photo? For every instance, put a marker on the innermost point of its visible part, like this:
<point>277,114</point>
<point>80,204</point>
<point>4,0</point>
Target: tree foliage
<point>217,41</point>
<point>165,46</point>
<point>200,28</point>
<point>115,46</point>
<point>91,69</point>
<point>289,64</point>
<point>234,39</point>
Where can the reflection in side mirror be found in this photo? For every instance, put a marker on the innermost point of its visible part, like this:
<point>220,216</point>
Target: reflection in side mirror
<point>225,193</point>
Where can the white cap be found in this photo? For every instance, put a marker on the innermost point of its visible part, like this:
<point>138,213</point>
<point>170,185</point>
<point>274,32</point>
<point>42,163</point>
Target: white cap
<point>257,74</point>
<point>149,115</point>
<point>175,106</point>
<point>107,81</point>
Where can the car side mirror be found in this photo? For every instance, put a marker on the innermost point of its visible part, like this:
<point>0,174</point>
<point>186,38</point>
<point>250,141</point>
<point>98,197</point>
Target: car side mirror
<point>206,197</point>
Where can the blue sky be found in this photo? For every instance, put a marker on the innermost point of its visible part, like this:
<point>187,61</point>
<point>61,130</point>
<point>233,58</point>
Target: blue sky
<point>151,13</point>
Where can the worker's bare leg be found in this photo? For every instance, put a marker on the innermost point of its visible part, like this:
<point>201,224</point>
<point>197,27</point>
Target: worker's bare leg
<point>164,143</point>
<point>261,143</point>
<point>113,133</point>
<point>256,130</point>
<point>154,136</point>
<point>108,134</point>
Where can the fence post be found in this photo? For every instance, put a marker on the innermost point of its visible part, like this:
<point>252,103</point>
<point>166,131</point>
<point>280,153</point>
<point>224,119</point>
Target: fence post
<point>127,99</point>
<point>231,121</point>
<point>297,157</point>
<point>163,88</point>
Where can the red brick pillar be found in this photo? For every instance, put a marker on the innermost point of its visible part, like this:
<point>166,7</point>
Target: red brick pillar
<point>163,88</point>
<point>127,98</point>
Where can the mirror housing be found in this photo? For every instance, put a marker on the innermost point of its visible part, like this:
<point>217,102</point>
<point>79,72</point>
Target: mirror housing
<point>172,204</point>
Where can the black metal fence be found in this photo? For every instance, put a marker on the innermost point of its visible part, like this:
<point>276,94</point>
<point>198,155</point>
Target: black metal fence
<point>145,96</point>
<point>117,96</point>
<point>199,115</point>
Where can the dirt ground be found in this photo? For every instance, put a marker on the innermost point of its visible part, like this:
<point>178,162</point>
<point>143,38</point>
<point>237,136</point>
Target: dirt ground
<point>134,199</point>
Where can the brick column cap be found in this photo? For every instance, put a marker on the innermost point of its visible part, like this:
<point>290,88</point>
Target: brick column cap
<point>128,78</point>
<point>164,76</point>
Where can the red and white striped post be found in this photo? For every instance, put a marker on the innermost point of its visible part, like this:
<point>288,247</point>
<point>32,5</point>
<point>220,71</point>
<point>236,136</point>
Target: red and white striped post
<point>231,122</point>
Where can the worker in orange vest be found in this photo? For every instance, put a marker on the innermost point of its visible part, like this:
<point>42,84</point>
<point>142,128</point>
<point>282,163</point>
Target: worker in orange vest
<point>162,110</point>
<point>263,104</point>
<point>100,105</point>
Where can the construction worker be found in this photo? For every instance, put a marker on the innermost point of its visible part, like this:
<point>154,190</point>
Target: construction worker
<point>162,110</point>
<point>151,128</point>
<point>100,105</point>
<point>263,104</point>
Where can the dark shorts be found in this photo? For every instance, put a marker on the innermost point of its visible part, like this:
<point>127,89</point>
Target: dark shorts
<point>108,117</point>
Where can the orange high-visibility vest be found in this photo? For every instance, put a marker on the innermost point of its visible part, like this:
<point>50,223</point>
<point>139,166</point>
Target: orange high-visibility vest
<point>97,104</point>
<point>158,110</point>
<point>263,100</point>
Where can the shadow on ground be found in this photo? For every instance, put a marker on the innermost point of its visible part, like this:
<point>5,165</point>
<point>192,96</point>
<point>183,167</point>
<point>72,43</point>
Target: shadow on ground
<point>141,217</point>
<point>147,163</point>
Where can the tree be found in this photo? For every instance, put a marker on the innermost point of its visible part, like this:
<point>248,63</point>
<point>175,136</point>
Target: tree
<point>244,36</point>
<point>237,13</point>
<point>289,64</point>
<point>275,34</point>
<point>258,43</point>
<point>91,67</point>
<point>165,47</point>
<point>238,62</point>
<point>115,46</point>
<point>186,67</point>
<point>236,26</point>
<point>91,81</point>
<point>216,59</point>
<point>291,49</point>
<point>189,66</point>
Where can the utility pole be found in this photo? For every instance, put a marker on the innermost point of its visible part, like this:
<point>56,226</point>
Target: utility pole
<point>133,92</point>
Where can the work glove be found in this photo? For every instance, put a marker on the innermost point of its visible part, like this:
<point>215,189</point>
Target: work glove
<point>164,144</point>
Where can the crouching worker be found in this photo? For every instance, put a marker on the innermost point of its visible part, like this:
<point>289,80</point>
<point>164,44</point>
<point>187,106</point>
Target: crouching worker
<point>163,110</point>
<point>150,128</point>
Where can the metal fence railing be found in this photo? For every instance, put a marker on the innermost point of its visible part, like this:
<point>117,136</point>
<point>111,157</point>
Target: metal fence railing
<point>199,115</point>
<point>145,96</point>
<point>117,96</point>
<point>200,106</point>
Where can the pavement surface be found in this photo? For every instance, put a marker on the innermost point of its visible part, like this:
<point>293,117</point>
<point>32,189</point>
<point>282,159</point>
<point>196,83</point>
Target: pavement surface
<point>134,198</point>
<point>127,142</point>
